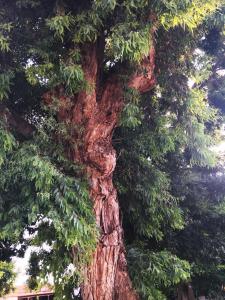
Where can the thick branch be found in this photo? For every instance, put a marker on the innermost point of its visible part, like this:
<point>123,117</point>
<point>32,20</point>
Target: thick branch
<point>144,80</point>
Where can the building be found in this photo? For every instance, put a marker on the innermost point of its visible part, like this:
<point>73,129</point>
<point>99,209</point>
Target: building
<point>23,293</point>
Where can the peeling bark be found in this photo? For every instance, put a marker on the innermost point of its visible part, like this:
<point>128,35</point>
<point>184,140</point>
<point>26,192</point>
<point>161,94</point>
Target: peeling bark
<point>106,278</point>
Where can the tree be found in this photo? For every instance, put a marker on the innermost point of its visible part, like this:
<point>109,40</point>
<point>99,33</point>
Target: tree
<point>201,242</point>
<point>155,159</point>
<point>7,274</point>
<point>70,69</point>
<point>6,277</point>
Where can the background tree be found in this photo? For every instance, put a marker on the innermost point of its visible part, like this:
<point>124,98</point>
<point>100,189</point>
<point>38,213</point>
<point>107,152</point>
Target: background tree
<point>7,274</point>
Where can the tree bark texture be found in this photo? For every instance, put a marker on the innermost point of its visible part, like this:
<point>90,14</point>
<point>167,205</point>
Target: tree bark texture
<point>96,113</point>
<point>185,292</point>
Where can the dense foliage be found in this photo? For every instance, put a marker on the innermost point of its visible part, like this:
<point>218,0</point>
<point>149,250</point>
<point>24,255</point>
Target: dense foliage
<point>170,189</point>
<point>166,173</point>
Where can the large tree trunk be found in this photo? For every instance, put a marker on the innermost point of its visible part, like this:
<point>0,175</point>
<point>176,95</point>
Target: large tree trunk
<point>97,113</point>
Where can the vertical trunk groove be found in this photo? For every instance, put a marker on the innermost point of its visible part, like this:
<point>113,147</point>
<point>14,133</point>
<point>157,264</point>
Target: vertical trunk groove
<point>106,278</point>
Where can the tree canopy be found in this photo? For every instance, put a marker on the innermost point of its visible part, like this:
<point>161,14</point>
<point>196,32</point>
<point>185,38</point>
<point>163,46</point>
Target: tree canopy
<point>167,60</point>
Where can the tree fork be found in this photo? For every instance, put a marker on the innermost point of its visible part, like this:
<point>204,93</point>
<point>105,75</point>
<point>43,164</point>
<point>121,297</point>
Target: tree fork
<point>106,278</point>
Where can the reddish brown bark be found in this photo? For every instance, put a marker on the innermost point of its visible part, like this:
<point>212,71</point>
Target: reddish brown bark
<point>106,278</point>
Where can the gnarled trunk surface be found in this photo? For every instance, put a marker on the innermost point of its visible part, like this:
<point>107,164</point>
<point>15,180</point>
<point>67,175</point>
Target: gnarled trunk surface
<point>106,278</point>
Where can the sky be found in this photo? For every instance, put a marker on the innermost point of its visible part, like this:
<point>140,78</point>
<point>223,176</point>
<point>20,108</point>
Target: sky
<point>21,265</point>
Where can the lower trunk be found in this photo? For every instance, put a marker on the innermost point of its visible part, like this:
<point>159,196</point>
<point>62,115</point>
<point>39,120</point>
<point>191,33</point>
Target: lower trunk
<point>107,277</point>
